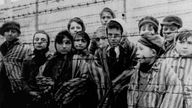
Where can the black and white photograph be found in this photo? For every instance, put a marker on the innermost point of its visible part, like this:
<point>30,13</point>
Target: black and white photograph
<point>95,53</point>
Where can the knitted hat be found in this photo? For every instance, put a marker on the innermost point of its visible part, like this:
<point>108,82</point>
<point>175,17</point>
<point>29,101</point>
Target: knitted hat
<point>149,19</point>
<point>155,43</point>
<point>10,25</point>
<point>170,20</point>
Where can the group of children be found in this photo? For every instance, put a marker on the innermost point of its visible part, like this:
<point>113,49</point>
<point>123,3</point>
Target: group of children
<point>107,71</point>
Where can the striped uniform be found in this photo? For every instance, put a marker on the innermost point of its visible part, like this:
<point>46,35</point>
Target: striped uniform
<point>12,62</point>
<point>79,84</point>
<point>181,66</point>
<point>163,89</point>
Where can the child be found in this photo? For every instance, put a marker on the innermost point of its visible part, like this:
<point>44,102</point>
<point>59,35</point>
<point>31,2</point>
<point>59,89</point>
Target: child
<point>169,28</point>
<point>14,53</point>
<point>106,15</point>
<point>75,24</point>
<point>99,40</point>
<point>99,36</point>
<point>33,64</point>
<point>114,58</point>
<point>148,26</point>
<point>81,42</point>
<point>142,90</point>
<point>59,66</point>
<point>72,86</point>
<point>180,62</point>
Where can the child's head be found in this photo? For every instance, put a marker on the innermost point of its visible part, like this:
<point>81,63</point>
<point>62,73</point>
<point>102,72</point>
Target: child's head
<point>170,26</point>
<point>100,37</point>
<point>75,24</point>
<point>184,43</point>
<point>147,49</point>
<point>63,42</point>
<point>148,25</point>
<point>114,32</point>
<point>10,30</point>
<point>41,40</point>
<point>105,15</point>
<point>81,40</point>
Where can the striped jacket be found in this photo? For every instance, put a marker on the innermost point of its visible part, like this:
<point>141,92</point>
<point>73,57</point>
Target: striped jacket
<point>72,80</point>
<point>13,57</point>
<point>163,90</point>
<point>181,65</point>
<point>102,70</point>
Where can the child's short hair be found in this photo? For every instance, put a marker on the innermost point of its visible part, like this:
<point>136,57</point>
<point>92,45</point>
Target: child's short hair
<point>84,35</point>
<point>183,35</point>
<point>106,9</point>
<point>114,25</point>
<point>61,35</point>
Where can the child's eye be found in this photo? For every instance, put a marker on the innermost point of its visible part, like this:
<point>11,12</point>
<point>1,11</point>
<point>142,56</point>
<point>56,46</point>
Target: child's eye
<point>165,29</point>
<point>110,35</point>
<point>190,43</point>
<point>103,17</point>
<point>181,42</point>
<point>83,40</point>
<point>108,17</point>
<point>72,28</point>
<point>143,28</point>
<point>43,40</point>
<point>150,28</point>
<point>78,27</point>
<point>172,28</point>
<point>36,39</point>
<point>68,42</point>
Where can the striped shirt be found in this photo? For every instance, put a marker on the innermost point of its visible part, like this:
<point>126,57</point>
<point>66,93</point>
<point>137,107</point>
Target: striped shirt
<point>182,66</point>
<point>163,90</point>
<point>12,62</point>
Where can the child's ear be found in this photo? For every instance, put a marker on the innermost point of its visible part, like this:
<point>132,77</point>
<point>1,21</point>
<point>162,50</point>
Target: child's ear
<point>154,52</point>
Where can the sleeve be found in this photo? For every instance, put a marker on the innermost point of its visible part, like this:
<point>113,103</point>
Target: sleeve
<point>130,50</point>
<point>25,76</point>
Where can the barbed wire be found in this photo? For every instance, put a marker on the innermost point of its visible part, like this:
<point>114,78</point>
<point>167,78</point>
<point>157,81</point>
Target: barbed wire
<point>54,9</point>
<point>24,5</point>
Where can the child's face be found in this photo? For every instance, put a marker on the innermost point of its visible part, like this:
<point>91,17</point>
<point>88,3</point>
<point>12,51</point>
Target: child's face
<point>11,34</point>
<point>40,41</point>
<point>80,43</point>
<point>105,17</point>
<point>114,37</point>
<point>144,52</point>
<point>147,29</point>
<point>64,47</point>
<point>101,39</point>
<point>169,32</point>
<point>74,28</point>
<point>184,47</point>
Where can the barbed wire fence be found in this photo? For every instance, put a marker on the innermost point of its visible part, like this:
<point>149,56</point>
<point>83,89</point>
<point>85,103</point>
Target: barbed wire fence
<point>72,6</point>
